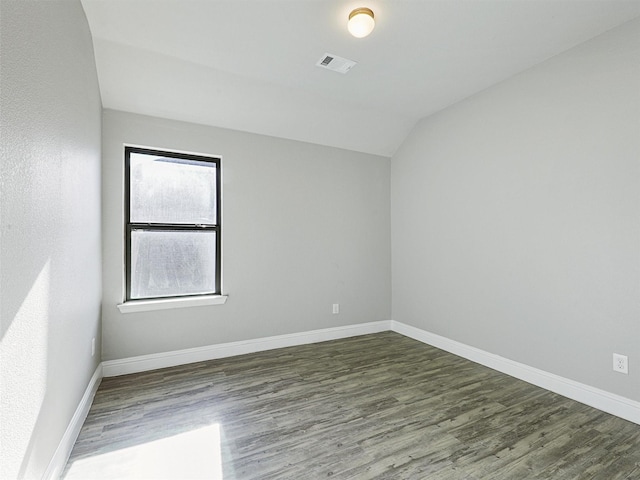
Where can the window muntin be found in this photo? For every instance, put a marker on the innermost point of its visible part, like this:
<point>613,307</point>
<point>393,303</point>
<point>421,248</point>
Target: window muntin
<point>173,224</point>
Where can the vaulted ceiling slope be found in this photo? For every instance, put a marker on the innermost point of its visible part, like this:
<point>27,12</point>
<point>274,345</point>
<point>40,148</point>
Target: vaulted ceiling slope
<point>250,65</point>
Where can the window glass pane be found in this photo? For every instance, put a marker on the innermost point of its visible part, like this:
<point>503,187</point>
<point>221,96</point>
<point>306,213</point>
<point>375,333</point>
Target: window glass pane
<point>172,190</point>
<point>168,263</point>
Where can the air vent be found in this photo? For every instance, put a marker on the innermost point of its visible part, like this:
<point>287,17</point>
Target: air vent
<point>335,63</point>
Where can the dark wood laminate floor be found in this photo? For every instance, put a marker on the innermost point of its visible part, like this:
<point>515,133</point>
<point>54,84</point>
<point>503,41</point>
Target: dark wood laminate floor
<point>379,406</point>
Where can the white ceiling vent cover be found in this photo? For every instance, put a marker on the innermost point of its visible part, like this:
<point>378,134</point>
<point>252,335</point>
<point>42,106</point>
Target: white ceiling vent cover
<point>335,63</point>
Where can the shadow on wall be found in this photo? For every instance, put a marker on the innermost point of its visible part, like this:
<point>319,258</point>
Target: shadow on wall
<point>25,350</point>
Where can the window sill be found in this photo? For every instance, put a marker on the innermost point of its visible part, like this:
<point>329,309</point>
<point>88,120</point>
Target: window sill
<point>167,303</point>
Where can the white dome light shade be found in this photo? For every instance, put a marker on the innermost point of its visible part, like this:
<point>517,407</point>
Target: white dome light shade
<point>361,22</point>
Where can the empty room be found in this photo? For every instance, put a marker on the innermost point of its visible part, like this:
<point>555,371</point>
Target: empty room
<point>278,239</point>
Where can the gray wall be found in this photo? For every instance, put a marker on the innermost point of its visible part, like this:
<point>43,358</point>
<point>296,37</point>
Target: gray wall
<point>516,216</point>
<point>50,277</point>
<point>304,227</point>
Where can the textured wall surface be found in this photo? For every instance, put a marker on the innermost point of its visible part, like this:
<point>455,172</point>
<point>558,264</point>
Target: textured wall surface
<point>50,277</point>
<point>516,216</point>
<point>304,227</point>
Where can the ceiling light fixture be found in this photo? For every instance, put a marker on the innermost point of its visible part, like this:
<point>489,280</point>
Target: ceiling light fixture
<point>361,22</point>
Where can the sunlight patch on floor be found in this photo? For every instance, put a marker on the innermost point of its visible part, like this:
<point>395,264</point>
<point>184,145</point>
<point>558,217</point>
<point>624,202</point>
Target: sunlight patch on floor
<point>191,455</point>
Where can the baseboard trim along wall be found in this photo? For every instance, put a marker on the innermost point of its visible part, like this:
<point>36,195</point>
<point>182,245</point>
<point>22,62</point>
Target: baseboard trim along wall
<point>60,457</point>
<point>594,397</point>
<point>112,368</point>
<point>602,400</point>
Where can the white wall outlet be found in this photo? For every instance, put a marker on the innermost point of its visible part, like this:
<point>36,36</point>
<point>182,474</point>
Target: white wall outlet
<point>620,363</point>
<point>93,346</point>
<point>336,308</point>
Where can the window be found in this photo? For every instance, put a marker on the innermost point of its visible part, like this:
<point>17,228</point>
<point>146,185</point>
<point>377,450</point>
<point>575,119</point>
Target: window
<point>172,209</point>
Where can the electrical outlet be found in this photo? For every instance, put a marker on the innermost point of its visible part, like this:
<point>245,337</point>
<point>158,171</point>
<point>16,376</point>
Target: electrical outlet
<point>620,363</point>
<point>93,346</point>
<point>336,308</point>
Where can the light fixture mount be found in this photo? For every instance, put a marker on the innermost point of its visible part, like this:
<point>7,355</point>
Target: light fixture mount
<point>361,22</point>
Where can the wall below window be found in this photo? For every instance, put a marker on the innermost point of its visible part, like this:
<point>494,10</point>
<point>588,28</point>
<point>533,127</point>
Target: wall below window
<point>304,227</point>
<point>50,280</point>
<point>515,217</point>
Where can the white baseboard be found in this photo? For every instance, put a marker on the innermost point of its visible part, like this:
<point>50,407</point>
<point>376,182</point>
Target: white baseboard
<point>602,400</point>
<point>594,397</point>
<point>60,457</point>
<point>608,402</point>
<point>112,368</point>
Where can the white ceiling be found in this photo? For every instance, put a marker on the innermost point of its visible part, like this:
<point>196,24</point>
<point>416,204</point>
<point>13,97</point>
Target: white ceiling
<point>250,64</point>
